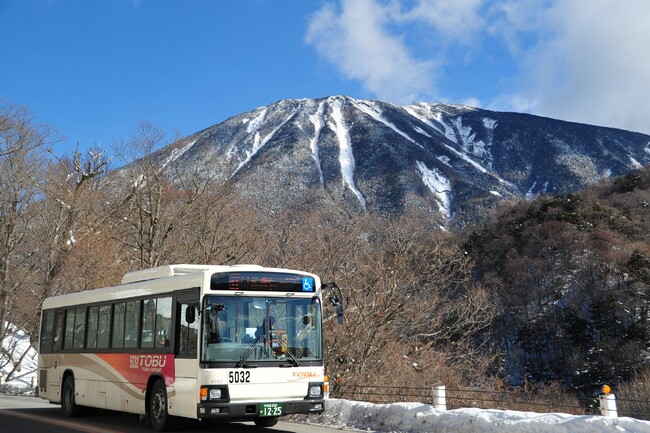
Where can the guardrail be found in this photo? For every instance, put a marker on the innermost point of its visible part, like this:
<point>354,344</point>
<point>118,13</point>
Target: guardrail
<point>443,398</point>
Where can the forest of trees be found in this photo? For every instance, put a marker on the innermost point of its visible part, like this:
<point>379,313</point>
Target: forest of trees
<point>552,291</point>
<point>572,274</point>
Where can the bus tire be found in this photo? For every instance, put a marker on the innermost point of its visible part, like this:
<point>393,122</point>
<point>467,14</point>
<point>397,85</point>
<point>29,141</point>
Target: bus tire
<point>70,407</point>
<point>267,422</point>
<point>160,419</point>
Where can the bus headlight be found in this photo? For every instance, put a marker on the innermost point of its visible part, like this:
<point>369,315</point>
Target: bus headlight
<point>210,393</point>
<point>315,390</point>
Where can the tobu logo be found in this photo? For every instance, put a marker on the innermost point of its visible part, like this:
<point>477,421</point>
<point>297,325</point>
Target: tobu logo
<point>302,374</point>
<point>147,362</point>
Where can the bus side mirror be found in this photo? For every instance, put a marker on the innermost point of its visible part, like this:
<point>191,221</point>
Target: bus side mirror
<point>336,300</point>
<point>190,314</point>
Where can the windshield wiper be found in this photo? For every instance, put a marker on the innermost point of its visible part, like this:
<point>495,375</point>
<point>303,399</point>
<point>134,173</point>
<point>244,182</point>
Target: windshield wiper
<point>249,350</point>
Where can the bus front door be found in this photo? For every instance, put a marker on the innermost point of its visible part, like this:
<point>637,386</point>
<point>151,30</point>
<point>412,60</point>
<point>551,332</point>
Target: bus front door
<point>185,395</point>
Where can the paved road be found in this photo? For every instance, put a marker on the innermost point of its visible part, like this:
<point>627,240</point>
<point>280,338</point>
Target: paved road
<point>29,414</point>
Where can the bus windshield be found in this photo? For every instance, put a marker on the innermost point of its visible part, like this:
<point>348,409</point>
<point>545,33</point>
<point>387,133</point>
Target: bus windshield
<point>259,329</point>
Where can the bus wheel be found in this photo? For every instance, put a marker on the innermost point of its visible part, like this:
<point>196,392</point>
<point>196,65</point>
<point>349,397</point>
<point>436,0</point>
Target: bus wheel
<point>68,404</point>
<point>158,407</point>
<point>266,422</point>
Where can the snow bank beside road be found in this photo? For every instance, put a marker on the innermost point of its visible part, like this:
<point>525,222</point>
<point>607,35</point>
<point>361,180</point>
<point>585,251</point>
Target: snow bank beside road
<point>421,418</point>
<point>16,351</point>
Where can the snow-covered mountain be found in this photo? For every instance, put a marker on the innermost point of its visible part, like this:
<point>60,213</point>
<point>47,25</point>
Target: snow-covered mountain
<point>449,161</point>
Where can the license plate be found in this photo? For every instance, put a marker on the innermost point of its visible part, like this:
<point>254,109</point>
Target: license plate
<point>270,409</point>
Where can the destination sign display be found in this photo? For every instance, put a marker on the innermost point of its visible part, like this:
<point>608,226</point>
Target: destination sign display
<point>263,282</point>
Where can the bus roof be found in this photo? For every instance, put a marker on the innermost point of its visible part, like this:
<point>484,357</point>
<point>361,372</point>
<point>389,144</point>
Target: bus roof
<point>154,281</point>
<point>169,271</point>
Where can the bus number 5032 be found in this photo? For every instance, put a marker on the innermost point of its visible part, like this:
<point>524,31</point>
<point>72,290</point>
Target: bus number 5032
<point>239,377</point>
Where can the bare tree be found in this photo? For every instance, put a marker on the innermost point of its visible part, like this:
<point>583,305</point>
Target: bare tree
<point>218,229</point>
<point>152,202</point>
<point>68,212</point>
<point>22,143</point>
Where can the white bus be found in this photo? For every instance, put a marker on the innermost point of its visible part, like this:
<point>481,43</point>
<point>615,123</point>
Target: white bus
<point>234,343</point>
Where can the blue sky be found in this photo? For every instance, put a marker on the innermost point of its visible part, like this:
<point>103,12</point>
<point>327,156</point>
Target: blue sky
<point>93,70</point>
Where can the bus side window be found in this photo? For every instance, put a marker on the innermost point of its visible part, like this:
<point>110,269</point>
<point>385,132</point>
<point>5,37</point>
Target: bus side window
<point>79,328</point>
<point>75,328</point>
<point>118,325</point>
<point>163,321</point>
<point>58,331</point>
<point>47,331</point>
<point>104,324</point>
<point>131,326</point>
<point>91,339</point>
<point>148,323</point>
<point>69,329</point>
<point>188,330</point>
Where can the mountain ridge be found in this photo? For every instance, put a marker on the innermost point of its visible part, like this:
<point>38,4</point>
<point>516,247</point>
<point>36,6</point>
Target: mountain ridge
<point>450,162</point>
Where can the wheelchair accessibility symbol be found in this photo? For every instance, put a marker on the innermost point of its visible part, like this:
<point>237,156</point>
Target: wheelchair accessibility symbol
<point>307,285</point>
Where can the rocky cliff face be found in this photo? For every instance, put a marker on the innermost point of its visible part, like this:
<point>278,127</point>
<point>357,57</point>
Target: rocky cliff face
<point>447,161</point>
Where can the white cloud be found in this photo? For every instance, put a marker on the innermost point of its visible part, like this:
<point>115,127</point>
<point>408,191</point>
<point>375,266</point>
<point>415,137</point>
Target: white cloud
<point>579,60</point>
<point>397,50</point>
<point>356,40</point>
<point>456,20</point>
<point>586,61</point>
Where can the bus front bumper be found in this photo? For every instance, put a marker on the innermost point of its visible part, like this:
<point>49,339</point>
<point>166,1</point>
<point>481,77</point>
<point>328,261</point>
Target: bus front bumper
<point>250,411</point>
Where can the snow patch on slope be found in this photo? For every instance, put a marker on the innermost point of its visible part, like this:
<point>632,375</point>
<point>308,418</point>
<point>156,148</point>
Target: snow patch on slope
<point>439,186</point>
<point>177,153</point>
<point>580,165</point>
<point>489,123</point>
<point>346,157</point>
<point>468,141</point>
<point>531,191</point>
<point>635,163</point>
<point>423,113</point>
<point>257,122</point>
<point>317,120</point>
<point>373,111</point>
<point>422,131</point>
<point>258,141</point>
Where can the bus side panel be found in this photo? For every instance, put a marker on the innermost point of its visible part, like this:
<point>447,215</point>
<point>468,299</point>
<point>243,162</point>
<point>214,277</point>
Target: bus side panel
<point>81,392</point>
<point>113,396</point>
<point>49,386</point>
<point>89,392</point>
<point>185,394</point>
<point>133,399</point>
<point>97,394</point>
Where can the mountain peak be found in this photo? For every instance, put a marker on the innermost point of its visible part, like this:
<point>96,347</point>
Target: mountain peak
<point>450,162</point>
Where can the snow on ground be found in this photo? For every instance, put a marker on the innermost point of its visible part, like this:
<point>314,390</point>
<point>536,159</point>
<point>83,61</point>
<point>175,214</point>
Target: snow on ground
<point>14,346</point>
<point>422,418</point>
